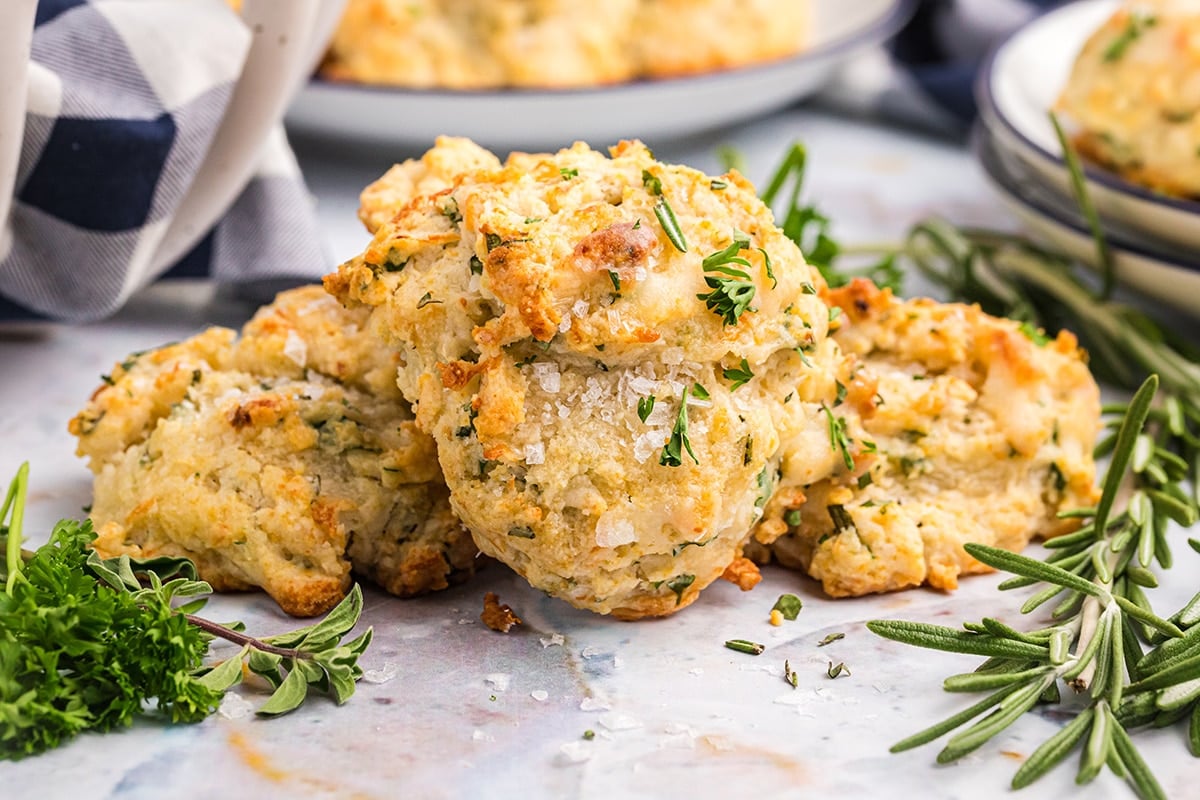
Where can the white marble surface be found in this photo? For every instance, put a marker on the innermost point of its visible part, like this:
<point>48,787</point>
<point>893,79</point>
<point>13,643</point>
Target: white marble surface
<point>472,713</point>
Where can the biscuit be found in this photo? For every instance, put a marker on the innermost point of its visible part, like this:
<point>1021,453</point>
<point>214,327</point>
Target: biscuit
<point>489,44</point>
<point>555,342</point>
<point>280,460</point>
<point>1134,97</point>
<point>968,431</point>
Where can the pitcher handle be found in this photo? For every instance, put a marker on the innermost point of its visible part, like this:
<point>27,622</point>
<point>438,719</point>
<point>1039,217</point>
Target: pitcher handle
<point>16,36</point>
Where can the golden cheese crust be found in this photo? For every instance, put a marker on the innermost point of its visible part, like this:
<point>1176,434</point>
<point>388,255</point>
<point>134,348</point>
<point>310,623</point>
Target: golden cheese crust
<point>446,160</point>
<point>1134,96</point>
<point>535,305</point>
<point>481,44</point>
<point>976,433</point>
<point>280,460</point>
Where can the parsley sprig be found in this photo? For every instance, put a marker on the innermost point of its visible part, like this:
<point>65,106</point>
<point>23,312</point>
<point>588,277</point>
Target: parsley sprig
<point>732,288</point>
<point>672,452</point>
<point>89,644</point>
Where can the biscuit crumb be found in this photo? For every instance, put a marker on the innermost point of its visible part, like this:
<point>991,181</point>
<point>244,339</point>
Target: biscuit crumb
<point>776,617</point>
<point>742,572</point>
<point>498,616</point>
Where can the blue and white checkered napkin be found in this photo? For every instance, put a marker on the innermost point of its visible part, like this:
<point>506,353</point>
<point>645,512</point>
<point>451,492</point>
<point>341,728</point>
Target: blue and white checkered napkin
<point>124,99</point>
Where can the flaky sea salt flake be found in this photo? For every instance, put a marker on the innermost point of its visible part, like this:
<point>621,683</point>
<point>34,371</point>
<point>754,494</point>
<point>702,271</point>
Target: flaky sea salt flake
<point>385,673</point>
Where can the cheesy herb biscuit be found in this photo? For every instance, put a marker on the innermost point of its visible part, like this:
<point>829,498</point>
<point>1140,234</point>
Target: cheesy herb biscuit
<point>485,44</point>
<point>1134,96</point>
<point>972,431</point>
<point>608,352</point>
<point>278,461</point>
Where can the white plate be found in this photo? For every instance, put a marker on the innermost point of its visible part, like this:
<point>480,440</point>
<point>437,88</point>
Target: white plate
<point>1165,277</point>
<point>1018,85</point>
<point>649,110</point>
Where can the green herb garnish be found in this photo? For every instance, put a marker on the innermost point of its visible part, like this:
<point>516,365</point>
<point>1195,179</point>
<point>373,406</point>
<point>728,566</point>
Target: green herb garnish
<point>789,605</point>
<point>679,584</point>
<point>1136,25</point>
<point>732,288</point>
<point>831,638</point>
<point>839,440</point>
<point>644,407</point>
<point>746,646</point>
<point>670,225</point>
<point>90,644</point>
<point>739,375</point>
<point>664,212</point>
<point>672,452</point>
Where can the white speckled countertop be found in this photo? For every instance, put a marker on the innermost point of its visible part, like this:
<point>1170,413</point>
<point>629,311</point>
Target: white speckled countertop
<point>454,710</point>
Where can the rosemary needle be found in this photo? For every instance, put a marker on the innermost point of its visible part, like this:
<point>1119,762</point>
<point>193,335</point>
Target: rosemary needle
<point>1133,667</point>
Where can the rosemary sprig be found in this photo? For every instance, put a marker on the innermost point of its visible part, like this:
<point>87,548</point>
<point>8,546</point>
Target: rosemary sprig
<point>1095,639</point>
<point>1101,621</point>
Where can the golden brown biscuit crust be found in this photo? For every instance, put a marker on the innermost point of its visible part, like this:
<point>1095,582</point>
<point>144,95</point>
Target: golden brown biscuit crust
<point>278,461</point>
<point>975,432</point>
<point>535,305</point>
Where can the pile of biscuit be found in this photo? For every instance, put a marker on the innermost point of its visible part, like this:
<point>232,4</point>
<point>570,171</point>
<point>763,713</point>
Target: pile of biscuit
<point>491,44</point>
<point>614,375</point>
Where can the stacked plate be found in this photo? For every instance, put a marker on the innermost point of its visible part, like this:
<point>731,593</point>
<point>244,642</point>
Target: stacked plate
<point>1155,239</point>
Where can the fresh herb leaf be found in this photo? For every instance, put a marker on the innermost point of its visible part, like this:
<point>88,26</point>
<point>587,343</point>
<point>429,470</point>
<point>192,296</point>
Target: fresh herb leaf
<point>839,439</point>
<point>1135,26</point>
<point>739,375</point>
<point>746,646</point>
<point>670,225</point>
<point>672,452</point>
<point>788,605</point>
<point>644,407</point>
<point>732,288</point>
<point>679,584</point>
<point>89,643</point>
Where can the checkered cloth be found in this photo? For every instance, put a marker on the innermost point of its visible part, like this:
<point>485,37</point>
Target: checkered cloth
<point>925,77</point>
<point>124,100</point>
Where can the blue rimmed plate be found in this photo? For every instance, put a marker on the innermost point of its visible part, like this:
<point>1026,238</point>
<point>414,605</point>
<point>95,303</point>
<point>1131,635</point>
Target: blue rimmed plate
<point>1163,275</point>
<point>1019,84</point>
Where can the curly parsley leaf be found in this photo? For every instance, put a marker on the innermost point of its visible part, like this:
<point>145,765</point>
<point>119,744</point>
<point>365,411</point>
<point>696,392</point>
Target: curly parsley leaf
<point>90,644</point>
<point>732,289</point>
